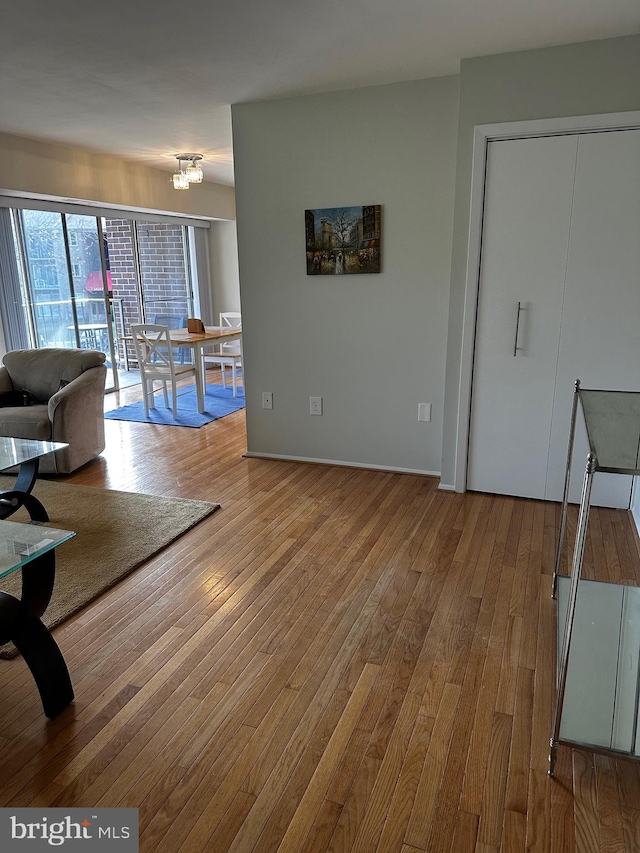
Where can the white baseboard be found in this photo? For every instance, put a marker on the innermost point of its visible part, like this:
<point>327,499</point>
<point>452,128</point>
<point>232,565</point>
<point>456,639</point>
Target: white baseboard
<point>256,455</point>
<point>445,487</point>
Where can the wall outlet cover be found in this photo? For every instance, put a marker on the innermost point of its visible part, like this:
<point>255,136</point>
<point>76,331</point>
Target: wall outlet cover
<point>424,411</point>
<point>315,405</point>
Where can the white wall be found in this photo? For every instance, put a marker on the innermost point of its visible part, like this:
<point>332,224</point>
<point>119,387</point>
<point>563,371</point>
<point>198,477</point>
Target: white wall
<point>73,173</point>
<point>373,346</point>
<point>223,254</point>
<point>570,80</point>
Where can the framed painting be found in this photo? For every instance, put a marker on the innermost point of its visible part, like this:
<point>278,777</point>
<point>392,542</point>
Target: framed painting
<point>343,240</point>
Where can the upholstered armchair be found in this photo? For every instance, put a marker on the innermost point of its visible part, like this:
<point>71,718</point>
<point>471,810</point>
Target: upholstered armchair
<point>68,387</point>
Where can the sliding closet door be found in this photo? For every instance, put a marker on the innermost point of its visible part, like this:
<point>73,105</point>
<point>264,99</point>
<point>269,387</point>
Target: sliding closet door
<point>529,189</point>
<point>600,337</point>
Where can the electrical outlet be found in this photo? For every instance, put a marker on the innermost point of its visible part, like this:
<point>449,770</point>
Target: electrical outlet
<point>315,405</point>
<point>424,411</point>
<point>267,399</point>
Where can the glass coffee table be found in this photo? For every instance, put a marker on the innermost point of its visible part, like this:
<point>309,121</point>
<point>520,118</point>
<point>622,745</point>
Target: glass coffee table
<point>26,453</point>
<point>30,547</point>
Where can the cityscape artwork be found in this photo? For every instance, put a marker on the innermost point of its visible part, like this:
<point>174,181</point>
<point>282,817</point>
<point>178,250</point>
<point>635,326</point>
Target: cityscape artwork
<point>343,240</point>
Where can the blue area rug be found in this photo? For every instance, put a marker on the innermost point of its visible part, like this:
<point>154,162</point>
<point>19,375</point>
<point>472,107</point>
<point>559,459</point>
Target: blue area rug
<point>218,402</point>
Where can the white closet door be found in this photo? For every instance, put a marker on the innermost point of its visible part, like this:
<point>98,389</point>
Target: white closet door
<point>527,216</point>
<point>600,337</point>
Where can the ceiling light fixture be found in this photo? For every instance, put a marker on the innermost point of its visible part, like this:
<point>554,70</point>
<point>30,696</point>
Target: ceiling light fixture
<point>194,170</point>
<point>187,174</point>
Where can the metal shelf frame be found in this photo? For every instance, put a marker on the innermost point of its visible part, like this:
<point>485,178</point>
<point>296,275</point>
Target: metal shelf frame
<point>612,419</point>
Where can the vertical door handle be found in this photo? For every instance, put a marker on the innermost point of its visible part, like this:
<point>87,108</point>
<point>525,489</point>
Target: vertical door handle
<point>515,343</point>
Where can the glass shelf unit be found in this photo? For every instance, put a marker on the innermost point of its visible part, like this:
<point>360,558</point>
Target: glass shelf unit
<point>598,675</point>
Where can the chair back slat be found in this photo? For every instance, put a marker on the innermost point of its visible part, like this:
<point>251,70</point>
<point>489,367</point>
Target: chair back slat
<point>153,349</point>
<point>233,320</point>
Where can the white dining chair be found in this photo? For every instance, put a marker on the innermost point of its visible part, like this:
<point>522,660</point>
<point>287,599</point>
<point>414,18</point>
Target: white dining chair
<point>156,364</point>
<point>229,354</point>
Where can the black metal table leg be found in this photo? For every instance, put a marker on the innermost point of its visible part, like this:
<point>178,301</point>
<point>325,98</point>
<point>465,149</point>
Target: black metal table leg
<point>20,495</point>
<point>20,623</point>
<point>48,667</point>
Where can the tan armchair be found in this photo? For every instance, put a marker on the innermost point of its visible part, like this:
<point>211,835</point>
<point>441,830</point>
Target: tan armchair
<point>69,387</point>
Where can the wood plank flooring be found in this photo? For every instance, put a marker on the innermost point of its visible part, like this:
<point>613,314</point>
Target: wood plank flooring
<point>337,660</point>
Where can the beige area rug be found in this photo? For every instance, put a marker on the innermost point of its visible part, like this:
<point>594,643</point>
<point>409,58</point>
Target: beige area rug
<point>115,533</point>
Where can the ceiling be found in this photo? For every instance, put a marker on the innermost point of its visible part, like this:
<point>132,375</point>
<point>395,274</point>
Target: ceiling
<point>146,79</point>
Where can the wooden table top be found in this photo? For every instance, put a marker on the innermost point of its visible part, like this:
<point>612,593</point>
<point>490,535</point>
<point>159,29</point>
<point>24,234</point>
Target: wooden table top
<point>211,333</point>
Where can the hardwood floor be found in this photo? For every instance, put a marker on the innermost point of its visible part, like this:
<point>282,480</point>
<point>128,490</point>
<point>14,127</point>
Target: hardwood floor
<point>337,660</point>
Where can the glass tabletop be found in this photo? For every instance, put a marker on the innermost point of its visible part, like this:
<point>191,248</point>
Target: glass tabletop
<point>20,543</point>
<point>14,451</point>
<point>612,419</point>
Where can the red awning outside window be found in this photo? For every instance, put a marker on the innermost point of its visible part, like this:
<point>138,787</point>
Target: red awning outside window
<point>94,282</point>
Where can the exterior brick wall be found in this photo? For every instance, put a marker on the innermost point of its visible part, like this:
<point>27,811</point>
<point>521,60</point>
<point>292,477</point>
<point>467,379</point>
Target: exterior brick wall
<point>164,284</point>
<point>162,266</point>
<point>119,236</point>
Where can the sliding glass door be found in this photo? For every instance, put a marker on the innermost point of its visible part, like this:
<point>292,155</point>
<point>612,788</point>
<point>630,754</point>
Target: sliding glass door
<point>165,282</point>
<point>75,280</point>
<point>91,305</point>
<point>48,283</point>
<point>65,292</point>
<point>149,276</point>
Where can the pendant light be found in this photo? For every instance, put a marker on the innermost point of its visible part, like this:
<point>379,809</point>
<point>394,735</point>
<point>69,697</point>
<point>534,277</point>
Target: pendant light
<point>191,173</point>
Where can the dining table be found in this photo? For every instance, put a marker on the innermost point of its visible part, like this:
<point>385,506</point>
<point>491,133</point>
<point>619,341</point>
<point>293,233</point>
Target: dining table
<point>199,342</point>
